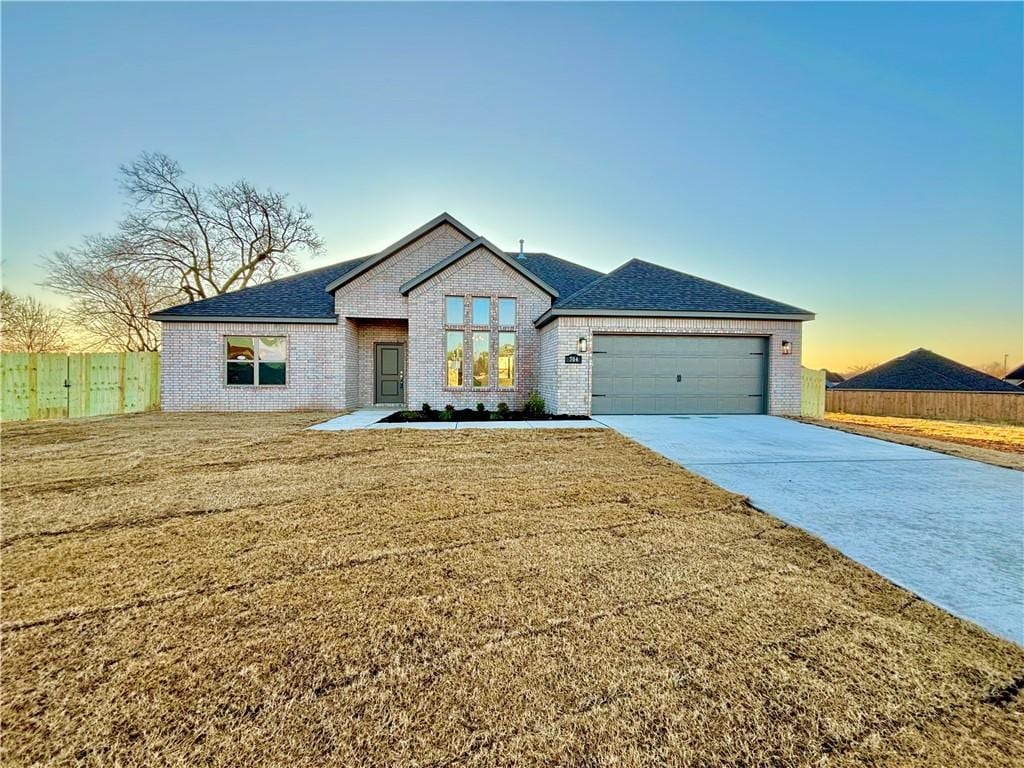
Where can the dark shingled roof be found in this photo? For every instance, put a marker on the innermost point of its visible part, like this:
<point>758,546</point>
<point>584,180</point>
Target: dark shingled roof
<point>304,295</point>
<point>564,276</point>
<point>641,285</point>
<point>298,296</point>
<point>1016,373</point>
<point>636,285</point>
<point>923,370</point>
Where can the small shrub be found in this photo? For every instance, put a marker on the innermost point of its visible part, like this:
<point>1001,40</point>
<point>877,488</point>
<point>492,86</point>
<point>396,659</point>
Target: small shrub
<point>426,410</point>
<point>496,416</point>
<point>449,408</point>
<point>535,405</point>
<point>411,416</point>
<point>480,408</point>
<point>446,414</point>
<point>503,410</point>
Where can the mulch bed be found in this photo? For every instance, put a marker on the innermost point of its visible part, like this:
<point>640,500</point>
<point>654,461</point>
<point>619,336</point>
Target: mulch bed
<point>471,414</point>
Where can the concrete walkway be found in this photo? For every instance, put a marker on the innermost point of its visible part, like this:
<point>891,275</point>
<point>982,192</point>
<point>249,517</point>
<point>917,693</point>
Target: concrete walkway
<point>949,529</point>
<point>369,418</point>
<point>360,419</point>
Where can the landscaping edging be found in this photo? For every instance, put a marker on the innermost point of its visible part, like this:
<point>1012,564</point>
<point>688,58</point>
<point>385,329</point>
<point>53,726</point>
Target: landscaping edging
<point>472,415</point>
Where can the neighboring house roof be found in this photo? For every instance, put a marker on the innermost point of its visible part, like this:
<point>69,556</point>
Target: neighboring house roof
<point>372,261</point>
<point>834,378</point>
<point>923,370</point>
<point>641,288</point>
<point>1017,374</point>
<point>467,249</point>
<point>295,297</point>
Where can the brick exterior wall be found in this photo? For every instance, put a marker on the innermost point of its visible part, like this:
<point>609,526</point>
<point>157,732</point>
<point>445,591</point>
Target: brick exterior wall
<point>566,388</point>
<point>376,294</point>
<point>479,273</point>
<point>193,368</point>
<point>332,366</point>
<point>369,333</point>
<point>550,364</point>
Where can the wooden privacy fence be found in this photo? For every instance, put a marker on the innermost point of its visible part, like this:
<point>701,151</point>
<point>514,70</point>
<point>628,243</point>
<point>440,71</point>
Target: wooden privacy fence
<point>56,386</point>
<point>812,393</point>
<point>957,406</point>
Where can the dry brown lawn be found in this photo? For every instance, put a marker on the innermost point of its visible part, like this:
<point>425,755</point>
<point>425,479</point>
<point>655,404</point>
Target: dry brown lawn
<point>234,590</point>
<point>1000,444</point>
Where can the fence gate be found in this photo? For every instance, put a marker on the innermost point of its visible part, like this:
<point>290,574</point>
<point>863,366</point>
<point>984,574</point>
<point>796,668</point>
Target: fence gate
<point>55,386</point>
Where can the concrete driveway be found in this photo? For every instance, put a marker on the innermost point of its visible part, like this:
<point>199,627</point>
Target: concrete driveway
<point>949,529</point>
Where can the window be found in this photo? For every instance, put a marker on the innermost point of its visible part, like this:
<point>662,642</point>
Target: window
<point>272,360</point>
<point>481,311</point>
<point>506,312</point>
<point>506,359</point>
<point>454,310</point>
<point>490,360</point>
<point>256,360</point>
<point>481,357</point>
<point>453,359</point>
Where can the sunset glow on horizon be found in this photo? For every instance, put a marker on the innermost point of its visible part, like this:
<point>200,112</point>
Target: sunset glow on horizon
<point>864,162</point>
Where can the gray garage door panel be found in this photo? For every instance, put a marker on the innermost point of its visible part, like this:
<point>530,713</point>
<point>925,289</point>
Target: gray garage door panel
<point>717,374</point>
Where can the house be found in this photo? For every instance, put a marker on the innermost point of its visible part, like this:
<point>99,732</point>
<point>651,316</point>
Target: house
<point>1016,376</point>
<point>832,378</point>
<point>924,371</point>
<point>444,316</point>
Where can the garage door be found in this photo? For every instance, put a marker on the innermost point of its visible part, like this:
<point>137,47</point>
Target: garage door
<point>679,374</point>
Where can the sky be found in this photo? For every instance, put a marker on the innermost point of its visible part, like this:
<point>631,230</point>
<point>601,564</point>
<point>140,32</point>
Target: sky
<point>865,162</point>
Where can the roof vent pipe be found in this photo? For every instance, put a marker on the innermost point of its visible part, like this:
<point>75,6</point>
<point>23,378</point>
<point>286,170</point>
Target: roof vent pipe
<point>521,254</point>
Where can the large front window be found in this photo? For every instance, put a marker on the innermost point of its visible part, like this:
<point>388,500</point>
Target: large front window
<point>453,359</point>
<point>256,360</point>
<point>506,359</point>
<point>454,310</point>
<point>481,358</point>
<point>506,313</point>
<point>481,311</point>
<point>480,342</point>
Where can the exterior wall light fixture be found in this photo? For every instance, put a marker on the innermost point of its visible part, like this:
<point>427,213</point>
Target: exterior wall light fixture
<point>787,348</point>
<point>581,345</point>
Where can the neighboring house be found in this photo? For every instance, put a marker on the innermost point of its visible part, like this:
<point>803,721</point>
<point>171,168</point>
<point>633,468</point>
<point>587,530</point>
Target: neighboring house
<point>924,371</point>
<point>443,316</point>
<point>1016,376</point>
<point>832,378</point>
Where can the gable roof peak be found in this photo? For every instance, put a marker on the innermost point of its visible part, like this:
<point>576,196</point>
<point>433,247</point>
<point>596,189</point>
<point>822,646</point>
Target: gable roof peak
<point>472,245</point>
<point>442,218</point>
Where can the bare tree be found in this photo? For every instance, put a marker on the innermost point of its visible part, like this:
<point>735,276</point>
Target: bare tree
<point>179,243</point>
<point>28,325</point>
<point>111,302</point>
<point>996,369</point>
<point>853,370</point>
<point>206,241</point>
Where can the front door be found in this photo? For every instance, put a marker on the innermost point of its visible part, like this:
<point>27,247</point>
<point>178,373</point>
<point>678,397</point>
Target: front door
<point>389,379</point>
